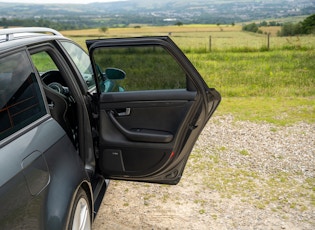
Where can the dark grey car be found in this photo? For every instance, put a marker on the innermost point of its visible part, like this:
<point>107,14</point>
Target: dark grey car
<point>130,110</point>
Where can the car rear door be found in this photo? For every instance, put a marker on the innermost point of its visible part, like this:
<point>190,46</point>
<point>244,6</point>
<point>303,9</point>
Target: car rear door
<point>148,128</point>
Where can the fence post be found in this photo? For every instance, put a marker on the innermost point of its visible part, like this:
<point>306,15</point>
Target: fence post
<point>210,43</point>
<point>268,41</point>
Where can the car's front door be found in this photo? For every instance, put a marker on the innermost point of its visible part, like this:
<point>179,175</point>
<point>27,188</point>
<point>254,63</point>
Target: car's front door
<point>148,128</point>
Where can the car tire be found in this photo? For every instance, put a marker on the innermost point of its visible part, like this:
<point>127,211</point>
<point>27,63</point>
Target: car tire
<point>81,212</point>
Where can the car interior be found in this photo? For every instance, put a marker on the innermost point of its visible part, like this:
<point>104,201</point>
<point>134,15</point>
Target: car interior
<point>61,103</point>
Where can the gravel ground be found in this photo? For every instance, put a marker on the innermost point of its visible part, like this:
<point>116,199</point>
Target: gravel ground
<point>241,175</point>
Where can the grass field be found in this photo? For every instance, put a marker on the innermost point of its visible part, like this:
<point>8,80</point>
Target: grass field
<point>276,85</point>
<point>196,37</point>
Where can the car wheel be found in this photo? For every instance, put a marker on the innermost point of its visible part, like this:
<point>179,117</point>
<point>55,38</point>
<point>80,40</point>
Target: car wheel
<point>81,212</point>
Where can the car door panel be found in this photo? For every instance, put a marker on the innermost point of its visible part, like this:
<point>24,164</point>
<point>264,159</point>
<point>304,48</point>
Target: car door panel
<point>152,112</point>
<point>147,135</point>
<point>153,122</point>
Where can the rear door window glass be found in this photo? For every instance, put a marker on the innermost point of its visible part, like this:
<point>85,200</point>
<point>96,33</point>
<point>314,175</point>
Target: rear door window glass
<point>21,102</point>
<point>146,68</point>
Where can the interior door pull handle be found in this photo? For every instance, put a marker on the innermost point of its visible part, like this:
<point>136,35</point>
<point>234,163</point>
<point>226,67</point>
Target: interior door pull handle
<point>124,113</point>
<point>143,135</point>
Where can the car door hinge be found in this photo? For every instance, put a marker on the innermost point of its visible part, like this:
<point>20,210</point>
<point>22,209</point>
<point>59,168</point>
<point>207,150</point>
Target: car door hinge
<point>95,116</point>
<point>192,127</point>
<point>94,132</point>
<point>95,135</point>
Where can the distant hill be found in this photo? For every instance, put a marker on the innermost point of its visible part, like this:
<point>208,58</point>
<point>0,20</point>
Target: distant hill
<point>153,12</point>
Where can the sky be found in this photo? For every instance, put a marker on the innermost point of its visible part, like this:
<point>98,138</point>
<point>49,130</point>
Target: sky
<point>58,1</point>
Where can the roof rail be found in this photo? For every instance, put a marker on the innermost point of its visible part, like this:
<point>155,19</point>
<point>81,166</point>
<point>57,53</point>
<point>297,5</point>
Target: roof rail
<point>9,33</point>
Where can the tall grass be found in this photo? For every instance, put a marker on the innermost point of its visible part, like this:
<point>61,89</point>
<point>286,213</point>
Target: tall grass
<point>275,73</point>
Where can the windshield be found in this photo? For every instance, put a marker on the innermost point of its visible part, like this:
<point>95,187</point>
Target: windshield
<point>82,61</point>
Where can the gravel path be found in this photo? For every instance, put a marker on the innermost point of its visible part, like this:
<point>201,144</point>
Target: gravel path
<point>241,175</point>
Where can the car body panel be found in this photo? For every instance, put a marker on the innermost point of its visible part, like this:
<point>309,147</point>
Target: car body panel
<point>35,174</point>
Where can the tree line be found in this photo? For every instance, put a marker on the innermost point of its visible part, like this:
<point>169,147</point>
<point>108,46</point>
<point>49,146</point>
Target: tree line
<point>5,23</point>
<point>307,26</point>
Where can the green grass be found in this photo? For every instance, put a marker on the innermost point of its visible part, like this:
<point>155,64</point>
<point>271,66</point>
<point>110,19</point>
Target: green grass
<point>275,73</point>
<point>276,110</point>
<point>43,62</point>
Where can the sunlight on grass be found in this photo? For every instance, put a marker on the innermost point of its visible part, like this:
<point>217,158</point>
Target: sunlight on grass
<point>279,110</point>
<point>235,74</point>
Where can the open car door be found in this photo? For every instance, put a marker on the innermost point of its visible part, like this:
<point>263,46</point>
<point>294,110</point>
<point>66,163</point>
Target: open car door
<point>149,126</point>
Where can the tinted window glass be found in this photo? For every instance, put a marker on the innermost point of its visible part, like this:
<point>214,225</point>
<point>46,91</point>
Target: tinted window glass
<point>21,102</point>
<point>146,68</point>
<point>82,62</point>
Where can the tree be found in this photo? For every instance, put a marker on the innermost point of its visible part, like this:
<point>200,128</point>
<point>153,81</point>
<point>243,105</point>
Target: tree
<point>305,27</point>
<point>263,23</point>
<point>290,29</point>
<point>103,29</point>
<point>274,23</point>
<point>308,25</point>
<point>252,27</point>
<point>178,24</point>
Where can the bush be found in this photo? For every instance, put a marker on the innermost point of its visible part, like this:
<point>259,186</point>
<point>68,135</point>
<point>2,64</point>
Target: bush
<point>305,27</point>
<point>290,29</point>
<point>103,29</point>
<point>178,24</point>
<point>250,27</point>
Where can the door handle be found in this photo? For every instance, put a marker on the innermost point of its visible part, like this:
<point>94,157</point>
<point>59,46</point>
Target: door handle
<point>141,135</point>
<point>126,112</point>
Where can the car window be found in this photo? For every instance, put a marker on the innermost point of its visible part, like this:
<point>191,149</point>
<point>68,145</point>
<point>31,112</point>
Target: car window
<point>145,68</point>
<point>21,102</point>
<point>82,62</point>
<point>43,62</point>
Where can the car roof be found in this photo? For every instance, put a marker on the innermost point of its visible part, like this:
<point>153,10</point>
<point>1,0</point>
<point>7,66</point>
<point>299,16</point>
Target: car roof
<point>17,37</point>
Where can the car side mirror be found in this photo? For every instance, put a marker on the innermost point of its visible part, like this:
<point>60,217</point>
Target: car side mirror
<point>115,74</point>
